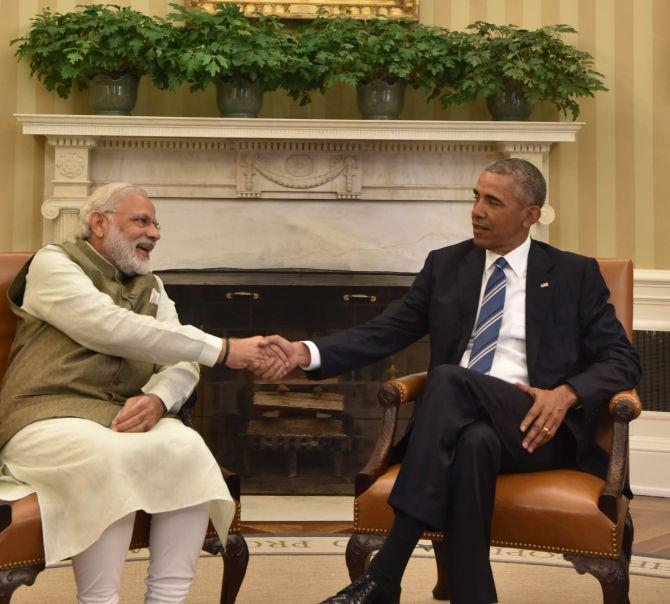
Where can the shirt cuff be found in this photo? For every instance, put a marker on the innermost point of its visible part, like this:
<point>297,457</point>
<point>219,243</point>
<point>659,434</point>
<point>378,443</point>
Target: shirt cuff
<point>315,361</point>
<point>163,392</point>
<point>211,350</point>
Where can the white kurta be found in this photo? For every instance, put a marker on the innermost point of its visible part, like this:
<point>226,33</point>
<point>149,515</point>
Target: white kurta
<point>86,475</point>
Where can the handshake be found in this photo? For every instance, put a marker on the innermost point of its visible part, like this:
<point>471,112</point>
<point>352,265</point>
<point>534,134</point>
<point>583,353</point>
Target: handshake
<point>268,357</point>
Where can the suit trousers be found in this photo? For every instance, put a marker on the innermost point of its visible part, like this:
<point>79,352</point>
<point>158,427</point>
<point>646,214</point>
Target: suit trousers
<point>465,432</point>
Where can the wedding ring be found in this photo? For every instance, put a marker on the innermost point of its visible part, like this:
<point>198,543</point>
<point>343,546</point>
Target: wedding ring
<point>546,430</point>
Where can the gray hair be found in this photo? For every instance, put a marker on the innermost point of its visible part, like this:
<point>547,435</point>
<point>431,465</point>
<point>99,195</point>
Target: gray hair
<point>103,200</point>
<point>530,181</point>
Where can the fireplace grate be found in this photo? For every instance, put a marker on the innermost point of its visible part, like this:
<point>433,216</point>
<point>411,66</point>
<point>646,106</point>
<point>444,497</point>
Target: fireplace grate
<point>654,350</point>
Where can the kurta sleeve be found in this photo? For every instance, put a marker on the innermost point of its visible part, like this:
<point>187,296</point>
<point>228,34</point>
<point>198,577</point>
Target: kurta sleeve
<point>59,293</point>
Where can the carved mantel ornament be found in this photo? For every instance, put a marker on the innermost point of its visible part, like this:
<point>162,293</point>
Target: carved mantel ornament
<point>308,9</point>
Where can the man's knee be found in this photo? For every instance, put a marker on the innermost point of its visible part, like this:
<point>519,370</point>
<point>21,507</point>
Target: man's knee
<point>479,439</point>
<point>446,374</point>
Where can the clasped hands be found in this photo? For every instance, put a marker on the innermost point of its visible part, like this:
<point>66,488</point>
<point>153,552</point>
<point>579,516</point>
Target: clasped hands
<point>268,357</point>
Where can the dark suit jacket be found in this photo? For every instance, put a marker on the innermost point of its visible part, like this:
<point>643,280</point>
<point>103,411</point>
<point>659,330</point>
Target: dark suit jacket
<point>572,334</point>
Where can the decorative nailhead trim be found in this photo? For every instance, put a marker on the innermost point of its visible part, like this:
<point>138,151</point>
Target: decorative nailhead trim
<point>21,563</point>
<point>614,554</point>
<point>401,389</point>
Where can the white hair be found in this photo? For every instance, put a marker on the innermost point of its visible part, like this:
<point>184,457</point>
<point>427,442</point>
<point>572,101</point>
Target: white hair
<point>103,200</point>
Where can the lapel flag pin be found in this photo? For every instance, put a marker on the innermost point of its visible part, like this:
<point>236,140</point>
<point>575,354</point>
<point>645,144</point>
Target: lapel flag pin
<point>545,284</point>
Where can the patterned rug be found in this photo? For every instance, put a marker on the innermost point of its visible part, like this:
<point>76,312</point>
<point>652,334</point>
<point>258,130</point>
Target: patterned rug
<point>302,569</point>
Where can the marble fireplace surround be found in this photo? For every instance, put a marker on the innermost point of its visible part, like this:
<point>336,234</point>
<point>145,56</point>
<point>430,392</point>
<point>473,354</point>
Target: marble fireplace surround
<point>347,195</point>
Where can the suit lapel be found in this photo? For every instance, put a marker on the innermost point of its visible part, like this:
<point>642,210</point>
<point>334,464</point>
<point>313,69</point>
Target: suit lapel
<point>539,297</point>
<point>469,286</point>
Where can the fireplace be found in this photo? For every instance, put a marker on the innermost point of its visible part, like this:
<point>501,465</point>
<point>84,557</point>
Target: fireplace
<point>296,436</point>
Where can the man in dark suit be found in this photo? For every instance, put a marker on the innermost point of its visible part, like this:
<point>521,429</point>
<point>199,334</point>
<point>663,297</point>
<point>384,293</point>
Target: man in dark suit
<point>524,350</point>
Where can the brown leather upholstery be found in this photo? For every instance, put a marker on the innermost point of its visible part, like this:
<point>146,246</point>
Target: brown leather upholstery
<point>558,511</point>
<point>21,530</point>
<point>9,266</point>
<point>576,524</point>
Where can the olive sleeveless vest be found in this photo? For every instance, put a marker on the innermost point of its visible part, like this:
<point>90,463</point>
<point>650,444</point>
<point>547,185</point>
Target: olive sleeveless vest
<point>50,375</point>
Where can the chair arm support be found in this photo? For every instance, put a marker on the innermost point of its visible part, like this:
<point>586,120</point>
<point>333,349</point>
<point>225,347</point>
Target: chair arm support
<point>401,390</point>
<point>624,407</point>
<point>390,396</point>
<point>232,482</point>
<point>378,461</point>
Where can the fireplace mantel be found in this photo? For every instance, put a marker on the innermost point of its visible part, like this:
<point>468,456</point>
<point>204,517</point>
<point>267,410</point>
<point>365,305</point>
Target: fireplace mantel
<point>280,193</point>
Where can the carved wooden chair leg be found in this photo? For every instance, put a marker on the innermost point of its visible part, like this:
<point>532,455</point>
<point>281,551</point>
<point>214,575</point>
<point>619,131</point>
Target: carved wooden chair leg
<point>235,561</point>
<point>15,577</point>
<point>441,589</point>
<point>612,574</point>
<point>358,552</point>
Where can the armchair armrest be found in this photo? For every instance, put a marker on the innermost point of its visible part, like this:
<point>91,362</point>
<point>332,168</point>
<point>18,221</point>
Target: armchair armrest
<point>401,390</point>
<point>624,407</point>
<point>390,396</point>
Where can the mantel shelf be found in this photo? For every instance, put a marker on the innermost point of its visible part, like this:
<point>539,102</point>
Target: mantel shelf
<point>257,194</point>
<point>184,128</point>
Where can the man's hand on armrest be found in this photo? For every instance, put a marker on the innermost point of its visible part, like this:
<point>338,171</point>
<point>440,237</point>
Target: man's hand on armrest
<point>139,414</point>
<point>546,415</point>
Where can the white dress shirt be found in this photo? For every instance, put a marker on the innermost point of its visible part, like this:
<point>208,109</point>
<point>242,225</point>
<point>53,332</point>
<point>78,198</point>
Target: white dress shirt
<point>509,362</point>
<point>59,293</point>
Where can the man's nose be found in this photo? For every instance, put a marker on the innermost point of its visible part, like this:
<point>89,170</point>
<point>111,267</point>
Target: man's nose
<point>154,234</point>
<point>478,209</point>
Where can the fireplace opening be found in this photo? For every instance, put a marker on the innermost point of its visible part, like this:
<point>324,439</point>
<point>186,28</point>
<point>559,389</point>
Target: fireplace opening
<point>297,436</point>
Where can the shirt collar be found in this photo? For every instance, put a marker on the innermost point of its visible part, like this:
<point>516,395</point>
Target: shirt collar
<point>517,258</point>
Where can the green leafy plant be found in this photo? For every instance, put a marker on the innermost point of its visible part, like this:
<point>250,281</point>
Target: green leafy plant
<point>353,51</point>
<point>64,49</point>
<point>538,61</point>
<point>225,44</point>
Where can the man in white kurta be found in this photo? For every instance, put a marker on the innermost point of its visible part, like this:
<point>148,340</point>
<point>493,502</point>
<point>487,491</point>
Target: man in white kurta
<point>99,368</point>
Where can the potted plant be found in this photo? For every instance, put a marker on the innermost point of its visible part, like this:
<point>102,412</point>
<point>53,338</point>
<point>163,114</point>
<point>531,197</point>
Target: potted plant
<point>105,48</point>
<point>244,57</point>
<point>514,68</point>
<point>379,57</point>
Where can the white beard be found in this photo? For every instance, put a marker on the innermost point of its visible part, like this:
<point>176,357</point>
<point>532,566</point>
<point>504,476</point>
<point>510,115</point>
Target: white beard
<point>121,251</point>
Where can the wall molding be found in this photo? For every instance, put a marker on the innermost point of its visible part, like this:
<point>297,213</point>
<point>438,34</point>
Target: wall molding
<point>650,454</point>
<point>652,300</point>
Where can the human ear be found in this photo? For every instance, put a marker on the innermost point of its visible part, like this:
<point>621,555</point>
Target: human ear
<point>95,222</point>
<point>531,215</point>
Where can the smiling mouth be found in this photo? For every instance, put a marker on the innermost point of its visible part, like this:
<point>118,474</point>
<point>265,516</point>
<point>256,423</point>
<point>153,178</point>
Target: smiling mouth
<point>479,227</point>
<point>145,247</point>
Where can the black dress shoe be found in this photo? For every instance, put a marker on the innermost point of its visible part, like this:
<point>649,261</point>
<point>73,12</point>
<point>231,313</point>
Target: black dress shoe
<point>364,590</point>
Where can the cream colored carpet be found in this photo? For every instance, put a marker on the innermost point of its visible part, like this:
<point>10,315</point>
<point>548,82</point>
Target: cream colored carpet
<point>300,577</point>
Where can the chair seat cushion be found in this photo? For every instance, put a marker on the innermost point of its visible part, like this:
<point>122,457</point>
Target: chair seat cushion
<point>555,510</point>
<point>21,541</point>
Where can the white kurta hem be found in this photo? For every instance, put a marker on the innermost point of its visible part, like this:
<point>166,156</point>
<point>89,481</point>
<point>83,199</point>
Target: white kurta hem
<point>87,476</point>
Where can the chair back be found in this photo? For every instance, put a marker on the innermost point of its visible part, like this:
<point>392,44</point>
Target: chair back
<point>618,275</point>
<point>10,264</point>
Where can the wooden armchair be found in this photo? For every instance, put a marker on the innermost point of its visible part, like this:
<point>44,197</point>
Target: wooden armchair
<point>21,549</point>
<point>565,511</point>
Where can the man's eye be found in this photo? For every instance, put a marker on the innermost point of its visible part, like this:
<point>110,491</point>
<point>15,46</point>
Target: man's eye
<point>142,220</point>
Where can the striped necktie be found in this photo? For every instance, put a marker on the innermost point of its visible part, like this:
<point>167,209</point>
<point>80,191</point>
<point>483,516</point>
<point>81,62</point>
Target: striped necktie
<point>490,318</point>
